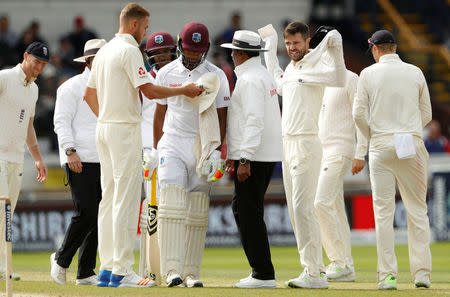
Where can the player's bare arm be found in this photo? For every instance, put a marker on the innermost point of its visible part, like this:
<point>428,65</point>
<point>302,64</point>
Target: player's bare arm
<point>158,123</point>
<point>152,91</point>
<point>90,96</point>
<point>33,147</point>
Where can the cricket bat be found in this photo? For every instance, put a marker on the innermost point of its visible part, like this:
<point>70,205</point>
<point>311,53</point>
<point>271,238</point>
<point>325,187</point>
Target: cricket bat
<point>8,240</point>
<point>153,245</point>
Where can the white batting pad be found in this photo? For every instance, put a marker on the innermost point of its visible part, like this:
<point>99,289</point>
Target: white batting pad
<point>171,222</point>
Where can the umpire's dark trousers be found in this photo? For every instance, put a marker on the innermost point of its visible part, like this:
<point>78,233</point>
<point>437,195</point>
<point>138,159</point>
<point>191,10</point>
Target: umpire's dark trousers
<point>82,232</point>
<point>248,210</point>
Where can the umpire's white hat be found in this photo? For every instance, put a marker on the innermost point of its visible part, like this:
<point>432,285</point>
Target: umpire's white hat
<point>245,40</point>
<point>91,48</point>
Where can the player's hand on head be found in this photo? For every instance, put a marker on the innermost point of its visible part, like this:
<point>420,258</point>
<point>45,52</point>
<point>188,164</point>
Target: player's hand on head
<point>42,171</point>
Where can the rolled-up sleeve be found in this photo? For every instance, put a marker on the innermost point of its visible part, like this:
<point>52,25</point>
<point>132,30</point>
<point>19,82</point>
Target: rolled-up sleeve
<point>361,106</point>
<point>253,107</point>
<point>65,109</point>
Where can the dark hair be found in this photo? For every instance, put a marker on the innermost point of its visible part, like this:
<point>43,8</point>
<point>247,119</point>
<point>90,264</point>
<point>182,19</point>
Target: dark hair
<point>297,27</point>
<point>252,54</point>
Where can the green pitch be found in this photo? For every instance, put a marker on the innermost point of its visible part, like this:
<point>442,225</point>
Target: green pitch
<point>222,267</point>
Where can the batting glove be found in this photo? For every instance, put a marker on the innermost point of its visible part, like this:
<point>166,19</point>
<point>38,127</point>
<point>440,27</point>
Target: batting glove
<point>214,167</point>
<point>150,162</point>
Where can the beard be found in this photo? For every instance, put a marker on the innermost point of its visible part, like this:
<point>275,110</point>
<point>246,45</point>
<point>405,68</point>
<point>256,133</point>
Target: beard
<point>297,55</point>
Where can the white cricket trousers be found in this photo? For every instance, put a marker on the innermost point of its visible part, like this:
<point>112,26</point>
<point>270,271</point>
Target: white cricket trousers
<point>119,149</point>
<point>301,166</point>
<point>411,177</point>
<point>10,184</point>
<point>330,209</point>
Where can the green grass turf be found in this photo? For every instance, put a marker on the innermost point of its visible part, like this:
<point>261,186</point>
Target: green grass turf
<point>222,267</point>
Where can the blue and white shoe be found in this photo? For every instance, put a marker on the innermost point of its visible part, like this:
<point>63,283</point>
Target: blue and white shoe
<point>130,280</point>
<point>103,278</point>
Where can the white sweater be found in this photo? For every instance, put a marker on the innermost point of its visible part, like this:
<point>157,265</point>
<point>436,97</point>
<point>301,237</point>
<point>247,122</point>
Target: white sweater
<point>396,96</point>
<point>336,125</point>
<point>74,121</point>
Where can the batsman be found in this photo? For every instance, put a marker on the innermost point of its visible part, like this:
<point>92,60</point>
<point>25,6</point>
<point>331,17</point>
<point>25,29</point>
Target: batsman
<point>188,135</point>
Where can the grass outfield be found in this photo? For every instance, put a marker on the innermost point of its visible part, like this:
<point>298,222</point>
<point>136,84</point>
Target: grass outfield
<point>222,267</point>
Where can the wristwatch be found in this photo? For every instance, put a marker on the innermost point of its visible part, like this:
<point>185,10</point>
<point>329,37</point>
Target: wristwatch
<point>244,161</point>
<point>70,150</point>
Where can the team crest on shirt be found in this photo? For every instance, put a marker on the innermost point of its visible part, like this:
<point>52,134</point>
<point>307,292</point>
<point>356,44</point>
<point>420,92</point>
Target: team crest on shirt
<point>141,71</point>
<point>159,39</point>
<point>161,161</point>
<point>196,37</point>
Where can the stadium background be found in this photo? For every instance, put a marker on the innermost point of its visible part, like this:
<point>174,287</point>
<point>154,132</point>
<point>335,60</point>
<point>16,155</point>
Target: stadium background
<point>423,32</point>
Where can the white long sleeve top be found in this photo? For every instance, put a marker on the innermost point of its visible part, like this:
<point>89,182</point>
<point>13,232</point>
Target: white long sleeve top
<point>336,125</point>
<point>396,96</point>
<point>148,112</point>
<point>302,84</point>
<point>74,121</point>
<point>254,120</point>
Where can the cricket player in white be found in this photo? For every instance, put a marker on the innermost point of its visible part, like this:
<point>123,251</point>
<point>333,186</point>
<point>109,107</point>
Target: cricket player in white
<point>395,94</point>
<point>302,86</point>
<point>118,72</point>
<point>18,96</point>
<point>184,199</point>
<point>337,134</point>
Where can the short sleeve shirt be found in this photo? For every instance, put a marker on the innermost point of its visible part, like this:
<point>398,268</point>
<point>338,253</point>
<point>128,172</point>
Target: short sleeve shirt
<point>117,72</point>
<point>182,116</point>
<point>17,104</point>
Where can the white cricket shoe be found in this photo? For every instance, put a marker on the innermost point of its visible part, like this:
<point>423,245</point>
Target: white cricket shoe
<point>173,279</point>
<point>14,276</point>
<point>422,283</point>
<point>336,273</point>
<point>90,280</point>
<point>192,282</point>
<point>307,281</point>
<point>130,280</point>
<point>389,283</point>
<point>253,283</point>
<point>57,272</point>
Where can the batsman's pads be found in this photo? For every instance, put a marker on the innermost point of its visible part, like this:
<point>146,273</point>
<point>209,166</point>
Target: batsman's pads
<point>150,162</point>
<point>214,167</point>
<point>171,227</point>
<point>196,226</point>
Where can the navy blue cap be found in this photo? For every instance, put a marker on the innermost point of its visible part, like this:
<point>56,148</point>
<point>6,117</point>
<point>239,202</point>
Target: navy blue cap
<point>39,50</point>
<point>380,37</point>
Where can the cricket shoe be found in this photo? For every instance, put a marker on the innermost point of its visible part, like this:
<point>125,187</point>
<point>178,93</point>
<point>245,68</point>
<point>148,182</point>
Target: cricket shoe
<point>57,272</point>
<point>89,281</point>
<point>104,276</point>
<point>130,280</point>
<point>173,279</point>
<point>389,283</point>
<point>14,276</point>
<point>336,273</point>
<point>192,282</point>
<point>422,283</point>
<point>308,282</point>
<point>254,283</point>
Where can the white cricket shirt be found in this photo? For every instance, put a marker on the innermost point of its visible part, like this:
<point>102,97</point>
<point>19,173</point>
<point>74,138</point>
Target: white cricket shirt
<point>117,72</point>
<point>74,121</point>
<point>254,119</point>
<point>396,95</point>
<point>182,116</point>
<point>336,126</point>
<point>17,104</point>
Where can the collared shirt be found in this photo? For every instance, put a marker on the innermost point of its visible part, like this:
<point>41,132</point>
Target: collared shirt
<point>396,95</point>
<point>182,116</point>
<point>17,105</point>
<point>117,72</point>
<point>336,126</point>
<point>254,119</point>
<point>148,112</point>
<point>74,121</point>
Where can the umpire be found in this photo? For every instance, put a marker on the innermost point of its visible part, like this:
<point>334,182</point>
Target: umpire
<point>254,147</point>
<point>395,95</point>
<point>75,125</point>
